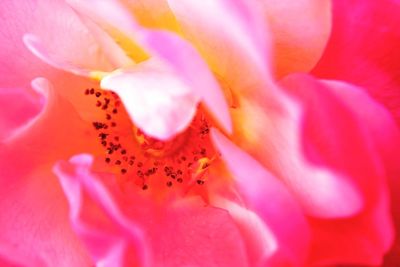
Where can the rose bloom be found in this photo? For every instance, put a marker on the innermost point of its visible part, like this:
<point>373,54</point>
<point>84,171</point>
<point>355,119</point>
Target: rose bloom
<point>199,133</point>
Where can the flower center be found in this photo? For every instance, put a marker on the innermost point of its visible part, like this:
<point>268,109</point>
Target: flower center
<point>147,162</point>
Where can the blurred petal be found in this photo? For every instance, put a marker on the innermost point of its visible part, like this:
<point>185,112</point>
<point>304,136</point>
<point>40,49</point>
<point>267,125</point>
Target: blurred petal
<point>386,137</point>
<point>281,214</point>
<point>18,107</point>
<point>36,47</point>
<point>34,220</point>
<point>346,130</point>
<point>52,22</point>
<point>300,29</point>
<point>230,35</point>
<point>34,212</point>
<point>275,123</point>
<point>116,20</point>
<point>187,63</point>
<point>157,100</point>
<point>360,240</point>
<point>176,53</point>
<point>259,239</point>
<point>177,232</point>
<point>111,239</point>
<point>363,49</point>
<point>153,14</point>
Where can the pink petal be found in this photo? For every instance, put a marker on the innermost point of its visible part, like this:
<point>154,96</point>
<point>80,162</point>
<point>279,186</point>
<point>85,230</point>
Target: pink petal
<point>34,222</point>
<point>230,35</point>
<point>157,100</point>
<point>268,126</point>
<point>34,212</point>
<point>360,240</point>
<point>11,257</point>
<point>18,107</point>
<point>269,198</point>
<point>52,22</point>
<point>386,137</point>
<point>347,131</point>
<point>178,233</point>
<point>172,50</point>
<point>187,63</point>
<point>332,136</point>
<point>300,32</point>
<point>116,20</point>
<point>364,51</point>
<point>116,242</point>
<point>259,239</point>
<point>33,43</point>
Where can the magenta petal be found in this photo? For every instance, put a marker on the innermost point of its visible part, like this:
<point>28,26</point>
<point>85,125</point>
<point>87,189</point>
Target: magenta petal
<point>345,130</point>
<point>363,49</point>
<point>269,198</point>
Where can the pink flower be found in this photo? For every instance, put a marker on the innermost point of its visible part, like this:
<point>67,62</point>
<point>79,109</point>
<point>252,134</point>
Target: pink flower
<point>199,133</point>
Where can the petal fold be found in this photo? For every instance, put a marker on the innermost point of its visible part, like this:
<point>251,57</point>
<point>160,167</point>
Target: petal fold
<point>111,238</point>
<point>172,233</point>
<point>269,198</point>
<point>157,100</point>
<point>364,51</point>
<point>230,35</point>
<point>343,128</point>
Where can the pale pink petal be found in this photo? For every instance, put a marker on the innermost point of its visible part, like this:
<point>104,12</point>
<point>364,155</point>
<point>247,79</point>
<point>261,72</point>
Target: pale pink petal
<point>269,198</point>
<point>116,20</point>
<point>59,29</point>
<point>188,64</point>
<point>363,49</point>
<point>230,35</point>
<point>274,122</point>
<point>33,43</point>
<point>300,30</point>
<point>157,100</point>
<point>166,46</point>
<point>115,54</point>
